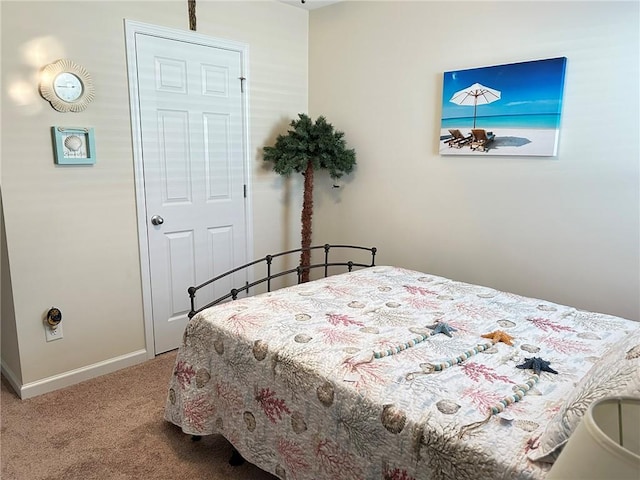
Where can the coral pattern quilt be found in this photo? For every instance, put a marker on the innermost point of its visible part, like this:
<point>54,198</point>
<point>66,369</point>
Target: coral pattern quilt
<point>385,373</point>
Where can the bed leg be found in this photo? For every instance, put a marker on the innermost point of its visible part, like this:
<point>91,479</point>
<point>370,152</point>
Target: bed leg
<point>236,459</point>
<point>196,438</point>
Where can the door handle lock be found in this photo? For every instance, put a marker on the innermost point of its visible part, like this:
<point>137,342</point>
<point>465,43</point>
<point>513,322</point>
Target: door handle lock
<point>157,220</point>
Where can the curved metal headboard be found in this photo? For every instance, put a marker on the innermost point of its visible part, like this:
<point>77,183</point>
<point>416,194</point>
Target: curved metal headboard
<point>233,293</point>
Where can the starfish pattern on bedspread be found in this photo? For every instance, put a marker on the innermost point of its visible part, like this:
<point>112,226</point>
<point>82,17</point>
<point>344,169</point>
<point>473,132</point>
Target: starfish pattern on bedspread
<point>439,327</point>
<point>537,364</point>
<point>442,327</point>
<point>499,336</point>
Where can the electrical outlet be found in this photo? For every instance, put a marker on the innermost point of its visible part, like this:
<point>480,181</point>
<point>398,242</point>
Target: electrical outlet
<point>53,334</point>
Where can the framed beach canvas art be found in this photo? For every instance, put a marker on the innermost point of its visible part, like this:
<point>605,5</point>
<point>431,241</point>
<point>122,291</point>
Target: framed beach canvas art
<point>511,109</point>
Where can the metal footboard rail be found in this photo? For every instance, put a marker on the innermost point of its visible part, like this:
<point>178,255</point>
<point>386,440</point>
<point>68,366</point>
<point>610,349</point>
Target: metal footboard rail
<point>268,260</point>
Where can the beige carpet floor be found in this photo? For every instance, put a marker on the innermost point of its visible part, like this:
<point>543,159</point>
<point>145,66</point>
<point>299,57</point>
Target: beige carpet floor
<point>110,427</point>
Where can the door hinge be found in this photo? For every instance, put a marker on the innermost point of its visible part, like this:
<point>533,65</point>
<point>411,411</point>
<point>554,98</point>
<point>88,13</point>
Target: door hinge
<point>244,189</point>
<point>242,79</point>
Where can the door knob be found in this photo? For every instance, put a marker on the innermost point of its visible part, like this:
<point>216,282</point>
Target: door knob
<point>157,220</point>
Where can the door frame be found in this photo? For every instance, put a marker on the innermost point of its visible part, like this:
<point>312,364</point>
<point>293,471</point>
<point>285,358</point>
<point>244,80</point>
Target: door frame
<point>132,28</point>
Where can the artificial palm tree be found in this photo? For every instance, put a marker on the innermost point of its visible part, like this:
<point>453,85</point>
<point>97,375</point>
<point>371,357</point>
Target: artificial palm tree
<point>308,147</point>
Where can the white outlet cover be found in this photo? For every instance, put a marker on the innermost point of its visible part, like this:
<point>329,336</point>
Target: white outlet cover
<point>53,334</point>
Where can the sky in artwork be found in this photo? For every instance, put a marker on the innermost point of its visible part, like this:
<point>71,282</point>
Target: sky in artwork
<point>526,88</point>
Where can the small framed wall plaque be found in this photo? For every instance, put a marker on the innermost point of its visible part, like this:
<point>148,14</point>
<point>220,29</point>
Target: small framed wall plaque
<point>74,145</point>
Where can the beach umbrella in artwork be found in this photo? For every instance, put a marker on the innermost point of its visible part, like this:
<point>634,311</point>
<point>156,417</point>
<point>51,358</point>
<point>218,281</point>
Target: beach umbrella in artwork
<point>475,95</point>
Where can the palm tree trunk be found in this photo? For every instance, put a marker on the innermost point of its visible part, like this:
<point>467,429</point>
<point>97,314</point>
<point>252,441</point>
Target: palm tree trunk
<point>307,212</point>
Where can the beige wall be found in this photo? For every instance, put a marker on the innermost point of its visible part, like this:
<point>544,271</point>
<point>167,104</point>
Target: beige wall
<point>72,238</point>
<point>565,228</point>
<point>9,340</point>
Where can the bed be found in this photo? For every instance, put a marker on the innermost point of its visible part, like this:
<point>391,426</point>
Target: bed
<point>389,373</point>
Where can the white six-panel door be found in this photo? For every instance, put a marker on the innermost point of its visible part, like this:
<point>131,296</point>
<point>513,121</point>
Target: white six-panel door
<point>191,123</point>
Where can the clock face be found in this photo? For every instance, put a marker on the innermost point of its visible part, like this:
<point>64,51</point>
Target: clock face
<point>68,87</point>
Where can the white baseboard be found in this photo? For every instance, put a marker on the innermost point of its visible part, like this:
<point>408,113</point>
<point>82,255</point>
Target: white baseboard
<point>66,379</point>
<point>10,376</point>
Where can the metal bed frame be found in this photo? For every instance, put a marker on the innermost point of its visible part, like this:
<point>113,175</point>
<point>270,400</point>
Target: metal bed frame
<point>233,293</point>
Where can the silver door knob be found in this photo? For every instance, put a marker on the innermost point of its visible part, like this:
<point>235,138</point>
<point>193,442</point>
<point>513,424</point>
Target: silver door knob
<point>157,220</point>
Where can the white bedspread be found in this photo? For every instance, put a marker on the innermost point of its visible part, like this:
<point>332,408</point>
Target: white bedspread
<point>289,377</point>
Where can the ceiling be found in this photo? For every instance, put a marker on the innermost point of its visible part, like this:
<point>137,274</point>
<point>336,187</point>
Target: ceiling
<point>310,4</point>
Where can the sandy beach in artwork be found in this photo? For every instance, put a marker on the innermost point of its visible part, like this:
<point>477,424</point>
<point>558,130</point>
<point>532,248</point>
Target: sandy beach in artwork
<point>508,141</point>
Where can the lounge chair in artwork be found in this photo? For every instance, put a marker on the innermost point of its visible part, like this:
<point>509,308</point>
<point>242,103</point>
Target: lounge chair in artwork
<point>457,139</point>
<point>481,139</point>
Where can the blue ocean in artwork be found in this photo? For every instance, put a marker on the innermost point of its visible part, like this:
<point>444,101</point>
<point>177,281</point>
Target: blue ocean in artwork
<point>540,120</point>
<point>518,95</point>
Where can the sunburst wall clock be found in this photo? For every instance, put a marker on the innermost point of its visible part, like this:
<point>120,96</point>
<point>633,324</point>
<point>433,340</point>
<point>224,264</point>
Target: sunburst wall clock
<point>67,86</point>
